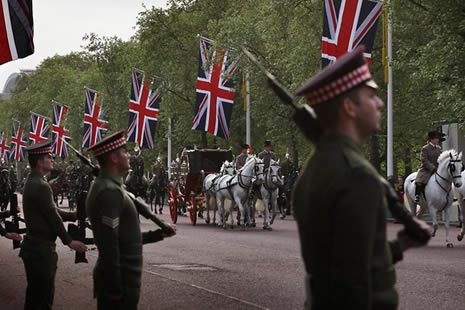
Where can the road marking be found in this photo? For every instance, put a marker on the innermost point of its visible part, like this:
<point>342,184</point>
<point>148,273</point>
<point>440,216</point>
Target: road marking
<point>208,290</point>
<point>203,289</point>
<point>185,267</point>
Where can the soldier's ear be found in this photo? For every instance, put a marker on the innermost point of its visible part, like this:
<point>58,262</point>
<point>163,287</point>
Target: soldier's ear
<point>348,108</point>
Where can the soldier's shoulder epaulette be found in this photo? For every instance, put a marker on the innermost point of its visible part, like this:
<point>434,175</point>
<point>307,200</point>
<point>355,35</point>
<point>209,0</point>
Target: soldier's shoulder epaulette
<point>353,159</point>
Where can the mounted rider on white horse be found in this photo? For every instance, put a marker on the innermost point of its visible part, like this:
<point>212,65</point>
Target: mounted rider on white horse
<point>438,194</point>
<point>429,162</point>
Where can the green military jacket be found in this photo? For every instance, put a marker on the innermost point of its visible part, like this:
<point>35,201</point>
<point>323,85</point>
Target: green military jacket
<point>340,209</point>
<point>117,234</point>
<point>43,219</point>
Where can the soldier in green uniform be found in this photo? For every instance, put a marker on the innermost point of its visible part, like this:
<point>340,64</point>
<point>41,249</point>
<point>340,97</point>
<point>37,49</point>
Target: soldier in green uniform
<point>429,161</point>
<point>339,200</point>
<point>44,222</point>
<point>267,154</point>
<point>116,228</point>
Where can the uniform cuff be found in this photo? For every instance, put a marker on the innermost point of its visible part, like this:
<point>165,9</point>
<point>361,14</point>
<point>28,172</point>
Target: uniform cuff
<point>396,251</point>
<point>152,236</point>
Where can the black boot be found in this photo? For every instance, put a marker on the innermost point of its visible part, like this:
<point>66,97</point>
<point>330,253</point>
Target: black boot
<point>418,191</point>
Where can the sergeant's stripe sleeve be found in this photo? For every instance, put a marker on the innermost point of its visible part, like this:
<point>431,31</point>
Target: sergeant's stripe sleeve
<point>50,213</point>
<point>109,204</point>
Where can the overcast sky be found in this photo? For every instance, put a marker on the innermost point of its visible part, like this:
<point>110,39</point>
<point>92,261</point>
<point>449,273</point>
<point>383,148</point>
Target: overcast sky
<point>59,26</point>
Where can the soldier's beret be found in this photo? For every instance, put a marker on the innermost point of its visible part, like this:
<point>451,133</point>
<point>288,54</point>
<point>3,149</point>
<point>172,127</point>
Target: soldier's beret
<point>267,143</point>
<point>436,134</point>
<point>244,146</point>
<point>40,148</point>
<point>346,73</point>
<point>110,143</point>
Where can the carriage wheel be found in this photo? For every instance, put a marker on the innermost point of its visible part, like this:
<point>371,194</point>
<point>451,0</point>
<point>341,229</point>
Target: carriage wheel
<point>172,203</point>
<point>192,210</point>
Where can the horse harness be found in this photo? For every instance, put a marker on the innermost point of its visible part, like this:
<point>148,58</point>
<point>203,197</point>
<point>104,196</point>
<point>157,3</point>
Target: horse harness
<point>240,181</point>
<point>451,168</point>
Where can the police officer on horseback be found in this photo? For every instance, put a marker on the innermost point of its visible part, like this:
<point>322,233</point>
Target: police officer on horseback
<point>429,162</point>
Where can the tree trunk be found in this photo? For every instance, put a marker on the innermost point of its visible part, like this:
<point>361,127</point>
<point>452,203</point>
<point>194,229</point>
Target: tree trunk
<point>294,151</point>
<point>204,142</point>
<point>407,161</point>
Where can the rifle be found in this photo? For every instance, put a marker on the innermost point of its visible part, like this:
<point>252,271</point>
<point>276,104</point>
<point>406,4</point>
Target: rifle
<point>79,231</point>
<point>13,225</point>
<point>306,119</point>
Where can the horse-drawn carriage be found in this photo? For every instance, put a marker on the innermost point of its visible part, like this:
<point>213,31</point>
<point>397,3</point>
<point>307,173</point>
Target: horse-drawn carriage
<point>185,190</point>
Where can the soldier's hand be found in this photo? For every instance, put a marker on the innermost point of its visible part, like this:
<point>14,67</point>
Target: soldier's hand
<point>406,242</point>
<point>78,246</point>
<point>169,231</point>
<point>14,236</point>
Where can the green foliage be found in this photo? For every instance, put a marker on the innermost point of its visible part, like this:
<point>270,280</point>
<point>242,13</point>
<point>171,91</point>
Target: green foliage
<point>428,71</point>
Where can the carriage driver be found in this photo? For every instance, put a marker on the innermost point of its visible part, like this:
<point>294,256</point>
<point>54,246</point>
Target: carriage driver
<point>267,154</point>
<point>339,199</point>
<point>241,159</point>
<point>429,162</point>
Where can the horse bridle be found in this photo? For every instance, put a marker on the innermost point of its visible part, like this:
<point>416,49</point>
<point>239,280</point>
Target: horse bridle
<point>256,169</point>
<point>275,183</point>
<point>451,167</point>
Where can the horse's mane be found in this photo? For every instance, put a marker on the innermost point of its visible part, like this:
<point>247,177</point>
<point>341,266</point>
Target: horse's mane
<point>444,155</point>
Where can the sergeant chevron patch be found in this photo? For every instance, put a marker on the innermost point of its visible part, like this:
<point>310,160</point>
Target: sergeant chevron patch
<point>113,223</point>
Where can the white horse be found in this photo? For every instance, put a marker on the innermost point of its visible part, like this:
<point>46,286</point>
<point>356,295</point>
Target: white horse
<point>438,194</point>
<point>270,191</point>
<point>209,182</point>
<point>236,188</point>
<point>460,195</point>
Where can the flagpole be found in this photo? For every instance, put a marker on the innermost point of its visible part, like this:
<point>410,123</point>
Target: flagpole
<point>390,170</point>
<point>247,115</point>
<point>169,148</point>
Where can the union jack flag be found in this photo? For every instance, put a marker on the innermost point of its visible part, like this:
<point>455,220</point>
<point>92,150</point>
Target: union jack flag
<point>59,132</point>
<point>16,29</point>
<point>214,92</point>
<point>93,125</point>
<point>4,148</point>
<point>39,129</point>
<point>17,143</point>
<point>347,24</point>
<point>144,106</point>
